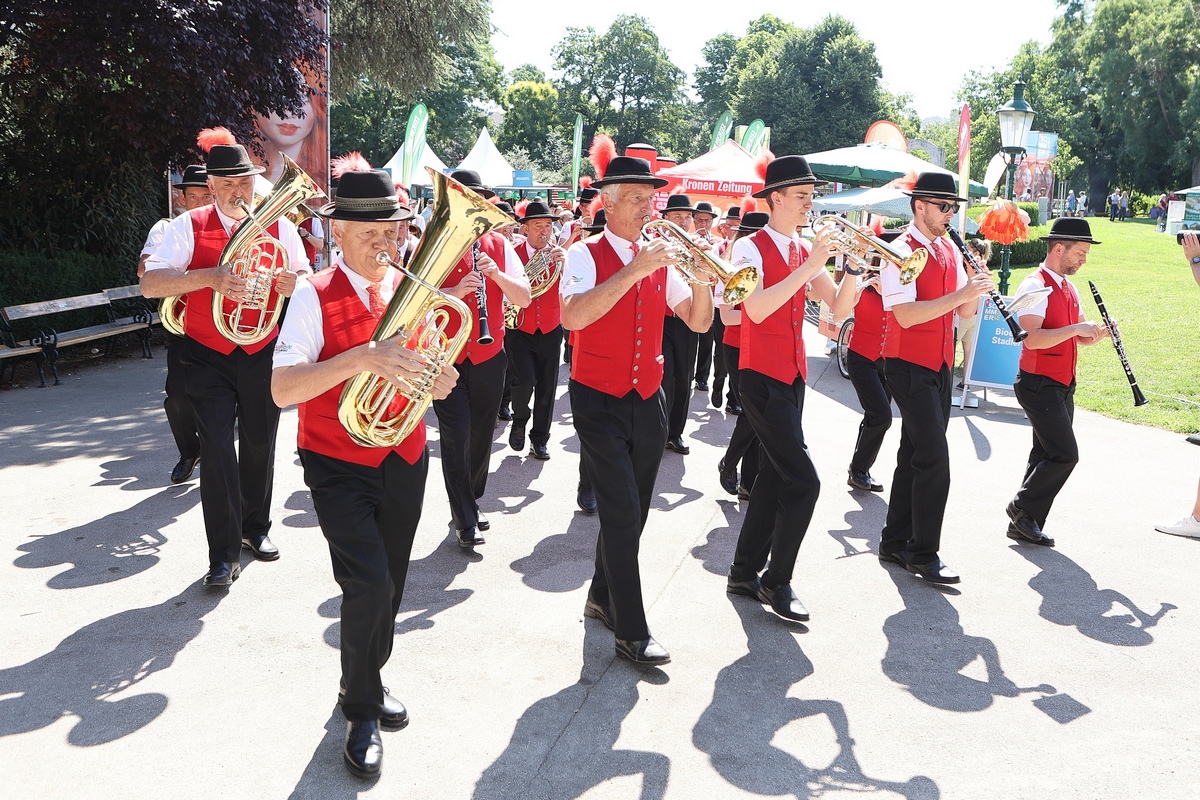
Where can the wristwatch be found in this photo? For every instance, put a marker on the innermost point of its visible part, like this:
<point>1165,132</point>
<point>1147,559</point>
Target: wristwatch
<point>1195,260</point>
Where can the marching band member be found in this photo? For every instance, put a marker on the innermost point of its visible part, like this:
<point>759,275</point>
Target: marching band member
<point>227,384</point>
<point>585,496</point>
<point>703,218</point>
<point>918,348</point>
<point>679,345</point>
<point>368,499</point>
<point>615,290</point>
<point>1045,384</point>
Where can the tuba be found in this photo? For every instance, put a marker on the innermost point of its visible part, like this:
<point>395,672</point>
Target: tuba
<point>170,314</point>
<point>541,271</point>
<point>701,267</point>
<point>861,248</point>
<point>419,314</point>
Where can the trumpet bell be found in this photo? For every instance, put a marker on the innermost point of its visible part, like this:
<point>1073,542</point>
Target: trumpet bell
<point>699,266</point>
<point>862,248</point>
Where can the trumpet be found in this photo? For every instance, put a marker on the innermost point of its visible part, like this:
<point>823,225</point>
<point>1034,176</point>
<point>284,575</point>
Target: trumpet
<point>542,271</point>
<point>700,267</point>
<point>861,248</point>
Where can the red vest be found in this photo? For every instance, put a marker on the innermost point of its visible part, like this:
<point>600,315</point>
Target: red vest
<point>931,343</point>
<point>866,337</point>
<point>622,350</point>
<point>733,334</point>
<point>210,239</point>
<point>492,244</point>
<point>346,323</point>
<point>775,346</point>
<point>1062,309</point>
<point>545,312</point>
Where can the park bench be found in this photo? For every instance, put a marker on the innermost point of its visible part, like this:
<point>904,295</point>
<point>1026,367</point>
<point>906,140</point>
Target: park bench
<point>124,306</point>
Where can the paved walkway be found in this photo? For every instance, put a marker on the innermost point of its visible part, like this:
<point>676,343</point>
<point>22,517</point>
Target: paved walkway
<point>1048,673</point>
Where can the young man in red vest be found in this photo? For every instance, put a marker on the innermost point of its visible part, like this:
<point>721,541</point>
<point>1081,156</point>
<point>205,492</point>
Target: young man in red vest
<point>615,291</point>
<point>1045,385</point>
<point>368,499</point>
<point>772,365</point>
<point>918,348</point>
<point>467,416</point>
<point>535,344</point>
<point>228,384</point>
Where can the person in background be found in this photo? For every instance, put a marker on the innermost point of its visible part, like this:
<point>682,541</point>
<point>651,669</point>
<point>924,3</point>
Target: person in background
<point>982,249</point>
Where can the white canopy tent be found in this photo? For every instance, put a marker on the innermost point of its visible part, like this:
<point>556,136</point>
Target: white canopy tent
<point>485,159</point>
<point>428,159</point>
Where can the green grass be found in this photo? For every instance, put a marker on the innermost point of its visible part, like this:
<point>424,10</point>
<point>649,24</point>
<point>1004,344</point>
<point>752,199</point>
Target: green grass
<point>1148,289</point>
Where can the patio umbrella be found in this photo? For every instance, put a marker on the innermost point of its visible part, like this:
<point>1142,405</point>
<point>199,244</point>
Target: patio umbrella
<point>873,165</point>
<point>881,200</point>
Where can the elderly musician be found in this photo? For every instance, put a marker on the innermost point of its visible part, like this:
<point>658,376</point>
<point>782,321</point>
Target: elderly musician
<point>368,499</point>
<point>615,292</point>
<point>228,384</point>
<point>490,272</point>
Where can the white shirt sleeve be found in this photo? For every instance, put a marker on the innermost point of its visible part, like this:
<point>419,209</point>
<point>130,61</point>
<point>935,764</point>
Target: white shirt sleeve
<point>302,336</point>
<point>512,262</point>
<point>1032,283</point>
<point>579,273</point>
<point>894,293</point>
<point>677,288</point>
<point>155,237</point>
<point>175,249</point>
<point>289,237</point>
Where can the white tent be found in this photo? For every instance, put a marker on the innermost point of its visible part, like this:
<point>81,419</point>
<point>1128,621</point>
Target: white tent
<point>428,159</point>
<point>485,158</point>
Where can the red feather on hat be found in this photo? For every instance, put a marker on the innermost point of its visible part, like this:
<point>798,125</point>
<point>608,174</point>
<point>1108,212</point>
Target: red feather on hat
<point>585,180</point>
<point>402,195</point>
<point>495,199</point>
<point>602,151</point>
<point>210,137</point>
<point>521,207</point>
<point>760,164</point>
<point>904,183</point>
<point>748,204</point>
<point>595,206</point>
<point>351,162</point>
<point>1003,222</point>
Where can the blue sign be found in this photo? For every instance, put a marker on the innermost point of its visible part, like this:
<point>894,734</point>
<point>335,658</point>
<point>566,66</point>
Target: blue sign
<point>995,355</point>
<point>522,177</point>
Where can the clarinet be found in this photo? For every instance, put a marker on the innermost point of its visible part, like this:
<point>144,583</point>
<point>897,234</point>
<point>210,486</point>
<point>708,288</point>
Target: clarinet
<point>485,335</point>
<point>1018,332</point>
<point>1139,399</point>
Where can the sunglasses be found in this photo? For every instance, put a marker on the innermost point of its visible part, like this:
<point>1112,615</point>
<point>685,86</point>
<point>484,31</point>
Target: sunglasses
<point>945,208</point>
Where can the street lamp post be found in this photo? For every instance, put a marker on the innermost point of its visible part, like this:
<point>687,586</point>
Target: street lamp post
<point>1016,120</point>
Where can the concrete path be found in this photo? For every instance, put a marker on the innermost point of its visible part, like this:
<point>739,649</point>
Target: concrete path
<point>1048,673</point>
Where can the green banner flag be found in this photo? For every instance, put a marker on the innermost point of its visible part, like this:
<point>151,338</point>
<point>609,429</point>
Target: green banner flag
<point>414,142</point>
<point>752,139</point>
<point>576,153</point>
<point>722,130</point>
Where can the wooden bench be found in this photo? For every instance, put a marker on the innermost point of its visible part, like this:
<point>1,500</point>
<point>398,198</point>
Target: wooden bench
<point>127,312</point>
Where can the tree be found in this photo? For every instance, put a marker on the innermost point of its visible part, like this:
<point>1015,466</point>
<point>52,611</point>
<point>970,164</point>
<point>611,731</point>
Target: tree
<point>527,72</point>
<point>530,112</point>
<point>371,120</point>
<point>715,95</point>
<point>456,105</point>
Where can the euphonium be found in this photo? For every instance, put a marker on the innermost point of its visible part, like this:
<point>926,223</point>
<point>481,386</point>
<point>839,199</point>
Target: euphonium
<point>699,266</point>
<point>419,313</point>
<point>541,271</point>
<point>258,257</point>
<point>170,313</point>
<point>860,247</point>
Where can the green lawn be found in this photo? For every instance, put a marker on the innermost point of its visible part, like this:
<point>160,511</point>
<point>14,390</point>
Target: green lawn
<point>1148,289</point>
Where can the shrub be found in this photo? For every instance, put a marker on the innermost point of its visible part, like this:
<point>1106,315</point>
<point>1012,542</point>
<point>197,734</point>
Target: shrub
<point>32,277</point>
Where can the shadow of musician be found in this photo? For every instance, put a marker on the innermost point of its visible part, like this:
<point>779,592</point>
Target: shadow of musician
<point>561,562</point>
<point>865,525</point>
<point>716,554</point>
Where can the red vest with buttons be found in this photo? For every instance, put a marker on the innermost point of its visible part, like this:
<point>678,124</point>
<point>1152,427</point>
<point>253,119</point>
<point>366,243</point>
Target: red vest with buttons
<point>346,323</point>
<point>1062,309</point>
<point>866,337</point>
<point>733,334</point>
<point>492,244</point>
<point>929,344</point>
<point>545,312</point>
<point>775,346</point>
<point>210,239</point>
<point>622,351</point>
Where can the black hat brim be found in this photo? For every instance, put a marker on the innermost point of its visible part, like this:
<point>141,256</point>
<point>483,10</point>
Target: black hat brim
<point>657,183</point>
<point>189,184</point>
<point>1052,239</point>
<point>532,217</point>
<point>775,187</point>
<point>236,172</point>
<point>331,212</point>
<point>936,196</point>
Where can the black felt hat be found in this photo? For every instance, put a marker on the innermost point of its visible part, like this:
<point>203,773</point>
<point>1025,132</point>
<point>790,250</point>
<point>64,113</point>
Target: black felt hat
<point>598,222</point>
<point>705,207</point>
<point>938,185</point>
<point>470,179</point>
<point>627,169</point>
<point>588,194</point>
<point>536,210</point>
<point>752,222</point>
<point>788,171</point>
<point>678,202</point>
<point>231,161</point>
<point>366,197</point>
<point>193,175</point>
<point>1070,229</point>
<point>733,213</point>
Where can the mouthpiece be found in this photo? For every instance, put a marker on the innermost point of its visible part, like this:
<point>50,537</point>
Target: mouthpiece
<point>383,258</point>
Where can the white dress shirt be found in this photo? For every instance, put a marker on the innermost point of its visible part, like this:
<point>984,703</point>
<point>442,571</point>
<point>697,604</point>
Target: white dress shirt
<point>178,244</point>
<point>1032,283</point>
<point>579,274</point>
<point>897,294</point>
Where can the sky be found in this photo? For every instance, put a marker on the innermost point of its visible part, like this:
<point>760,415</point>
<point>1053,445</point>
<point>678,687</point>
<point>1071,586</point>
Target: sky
<point>907,38</point>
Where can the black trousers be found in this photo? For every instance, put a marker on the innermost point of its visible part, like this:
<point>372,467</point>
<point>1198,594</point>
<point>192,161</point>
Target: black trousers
<point>180,415</point>
<point>876,399</point>
<point>786,490</point>
<point>534,363</point>
<point>704,349</point>
<point>621,442</point>
<point>743,443</point>
<point>921,484</point>
<point>679,357</point>
<point>227,393</point>
<point>1050,407</point>
<point>369,517</point>
<point>735,376</point>
<point>720,368</point>
<point>466,419</point>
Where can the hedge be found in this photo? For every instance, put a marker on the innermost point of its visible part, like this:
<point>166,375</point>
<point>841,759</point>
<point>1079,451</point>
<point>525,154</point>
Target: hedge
<point>34,277</point>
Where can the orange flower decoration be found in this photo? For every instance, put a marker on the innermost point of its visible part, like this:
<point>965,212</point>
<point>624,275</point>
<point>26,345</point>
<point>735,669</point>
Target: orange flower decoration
<point>1004,223</point>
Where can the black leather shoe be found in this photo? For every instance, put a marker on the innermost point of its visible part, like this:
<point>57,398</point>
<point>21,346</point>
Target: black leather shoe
<point>1024,527</point>
<point>363,752</point>
<point>470,538</point>
<point>678,446</point>
<point>701,386</point>
<point>893,558</point>
<point>728,478</point>
<point>505,413</point>
<point>745,588</point>
<point>934,572</point>
<point>516,438</point>
<point>262,547</point>
<point>586,499</point>
<point>864,481</point>
<point>184,469</point>
<point>732,409</point>
<point>783,601</point>
<point>593,610</point>
<point>481,522</point>
<point>539,451</point>
<point>743,493</point>
<point>393,715</point>
<point>222,573</point>
<point>643,651</point>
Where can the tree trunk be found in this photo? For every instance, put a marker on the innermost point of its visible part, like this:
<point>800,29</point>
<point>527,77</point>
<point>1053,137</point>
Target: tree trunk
<point>1196,172</point>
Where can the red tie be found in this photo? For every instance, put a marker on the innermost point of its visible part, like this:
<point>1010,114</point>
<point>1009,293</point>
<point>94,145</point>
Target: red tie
<point>793,256</point>
<point>377,305</point>
<point>634,247</point>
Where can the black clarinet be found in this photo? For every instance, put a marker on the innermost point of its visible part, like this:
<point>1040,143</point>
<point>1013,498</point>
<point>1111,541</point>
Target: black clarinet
<point>1017,331</point>
<point>485,335</point>
<point>1139,399</point>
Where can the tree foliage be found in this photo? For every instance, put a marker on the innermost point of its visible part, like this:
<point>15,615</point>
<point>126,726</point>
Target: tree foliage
<point>530,113</point>
<point>457,106</point>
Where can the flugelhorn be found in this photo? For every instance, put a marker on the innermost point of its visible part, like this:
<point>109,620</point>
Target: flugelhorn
<point>860,247</point>
<point>419,313</point>
<point>699,266</point>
